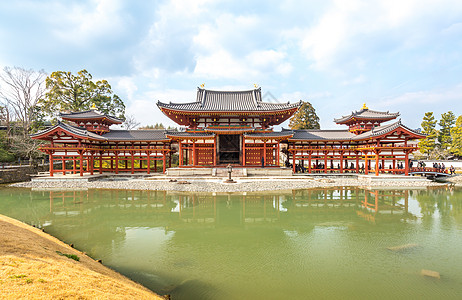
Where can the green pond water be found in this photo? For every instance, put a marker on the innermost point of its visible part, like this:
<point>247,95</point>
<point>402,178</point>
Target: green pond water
<point>304,244</point>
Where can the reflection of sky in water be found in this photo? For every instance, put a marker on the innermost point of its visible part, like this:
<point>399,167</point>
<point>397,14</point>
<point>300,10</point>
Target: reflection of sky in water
<point>321,244</point>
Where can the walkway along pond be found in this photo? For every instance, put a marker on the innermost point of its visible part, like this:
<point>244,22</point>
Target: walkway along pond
<point>349,243</point>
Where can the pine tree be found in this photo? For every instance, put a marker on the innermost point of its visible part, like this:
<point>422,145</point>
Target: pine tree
<point>456,135</point>
<point>305,118</point>
<point>428,124</point>
<point>444,135</point>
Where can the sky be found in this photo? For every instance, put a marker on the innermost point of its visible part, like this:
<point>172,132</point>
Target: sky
<point>399,56</point>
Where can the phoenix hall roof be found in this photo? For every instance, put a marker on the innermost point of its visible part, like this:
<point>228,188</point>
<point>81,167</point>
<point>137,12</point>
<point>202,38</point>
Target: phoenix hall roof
<point>217,101</point>
<point>367,114</point>
<point>89,115</point>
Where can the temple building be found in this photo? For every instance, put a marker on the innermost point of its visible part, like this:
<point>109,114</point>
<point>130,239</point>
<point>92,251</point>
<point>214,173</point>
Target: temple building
<point>235,128</point>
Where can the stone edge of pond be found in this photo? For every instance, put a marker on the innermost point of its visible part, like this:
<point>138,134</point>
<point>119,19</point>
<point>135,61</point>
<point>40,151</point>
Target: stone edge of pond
<point>241,185</point>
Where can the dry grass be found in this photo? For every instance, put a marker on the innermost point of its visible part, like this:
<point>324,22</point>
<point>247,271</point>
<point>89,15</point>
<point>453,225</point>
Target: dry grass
<point>32,266</point>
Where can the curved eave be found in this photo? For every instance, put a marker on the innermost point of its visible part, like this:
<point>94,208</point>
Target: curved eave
<point>320,140</point>
<point>352,119</point>
<point>44,135</point>
<point>189,137</point>
<point>411,133</point>
<point>268,137</point>
<point>229,131</point>
<point>103,119</point>
<point>225,112</point>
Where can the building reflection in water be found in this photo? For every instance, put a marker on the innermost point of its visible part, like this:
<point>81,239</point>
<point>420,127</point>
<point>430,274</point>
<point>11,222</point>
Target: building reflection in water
<point>173,209</point>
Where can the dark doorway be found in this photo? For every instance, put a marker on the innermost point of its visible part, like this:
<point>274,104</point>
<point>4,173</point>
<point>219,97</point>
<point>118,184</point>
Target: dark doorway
<point>229,148</point>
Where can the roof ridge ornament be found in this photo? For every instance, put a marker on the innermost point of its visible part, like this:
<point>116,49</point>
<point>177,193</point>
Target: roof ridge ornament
<point>93,106</point>
<point>203,86</point>
<point>364,106</point>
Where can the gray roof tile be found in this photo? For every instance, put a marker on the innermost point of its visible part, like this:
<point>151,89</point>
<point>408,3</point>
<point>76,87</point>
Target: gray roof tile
<point>89,114</point>
<point>367,114</point>
<point>82,132</point>
<point>211,101</point>
<point>136,135</point>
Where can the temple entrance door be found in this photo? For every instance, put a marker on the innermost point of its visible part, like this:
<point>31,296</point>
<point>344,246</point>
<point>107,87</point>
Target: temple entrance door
<point>229,148</point>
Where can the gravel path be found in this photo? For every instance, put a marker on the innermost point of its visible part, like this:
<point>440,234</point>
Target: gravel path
<point>244,185</point>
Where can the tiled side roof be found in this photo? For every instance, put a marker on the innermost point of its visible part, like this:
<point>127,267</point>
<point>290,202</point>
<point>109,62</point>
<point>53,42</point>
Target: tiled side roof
<point>89,114</point>
<point>367,114</point>
<point>208,100</point>
<point>380,130</point>
<point>136,135</point>
<point>225,130</point>
<point>322,135</point>
<point>183,134</point>
<point>275,134</point>
<point>73,130</point>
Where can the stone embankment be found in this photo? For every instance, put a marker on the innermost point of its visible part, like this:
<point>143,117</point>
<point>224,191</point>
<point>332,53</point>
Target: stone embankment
<point>217,185</point>
<point>19,173</point>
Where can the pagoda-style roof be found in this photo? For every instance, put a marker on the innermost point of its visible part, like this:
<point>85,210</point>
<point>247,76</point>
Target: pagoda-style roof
<point>228,101</point>
<point>366,115</point>
<point>145,135</point>
<point>90,115</point>
<point>71,130</point>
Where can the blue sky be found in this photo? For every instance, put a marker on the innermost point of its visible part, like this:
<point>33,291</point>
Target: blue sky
<point>401,56</point>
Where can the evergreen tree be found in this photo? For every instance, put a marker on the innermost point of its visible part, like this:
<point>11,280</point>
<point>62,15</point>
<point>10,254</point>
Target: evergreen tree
<point>428,124</point>
<point>69,92</point>
<point>444,135</point>
<point>456,135</point>
<point>305,118</point>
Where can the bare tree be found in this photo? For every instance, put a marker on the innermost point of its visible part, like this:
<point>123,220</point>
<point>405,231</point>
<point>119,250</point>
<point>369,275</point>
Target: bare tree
<point>130,122</point>
<point>21,90</point>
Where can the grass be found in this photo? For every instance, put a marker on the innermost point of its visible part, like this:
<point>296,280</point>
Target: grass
<point>71,256</point>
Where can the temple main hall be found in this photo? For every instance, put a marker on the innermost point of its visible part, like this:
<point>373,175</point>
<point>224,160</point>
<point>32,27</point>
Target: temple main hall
<point>236,128</point>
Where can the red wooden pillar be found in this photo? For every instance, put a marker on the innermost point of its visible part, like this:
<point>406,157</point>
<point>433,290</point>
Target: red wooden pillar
<point>309,161</point>
<point>215,151</point>
<point>91,162</point>
<point>406,164</point>
<point>278,149</point>
<point>163,160</point>
<point>155,163</point>
<point>148,153</point>
<point>293,158</point>
<point>326,152</point>
<point>101,162</point>
<point>74,166</point>
<point>341,161</point>
<point>357,162</point>
<point>193,153</point>
<point>180,154</point>
<point>116,162</point>
<point>81,162</point>
<point>377,152</point>
<point>63,165</point>
<point>366,166</point>
<point>243,150</point>
<point>264,152</point>
<point>51,164</point>
<point>133,161</point>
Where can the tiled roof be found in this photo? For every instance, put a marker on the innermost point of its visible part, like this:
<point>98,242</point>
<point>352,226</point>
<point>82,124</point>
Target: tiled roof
<point>82,132</point>
<point>275,134</point>
<point>185,134</point>
<point>136,135</point>
<point>226,130</point>
<point>322,135</point>
<point>380,130</point>
<point>217,101</point>
<point>89,114</point>
<point>367,114</point>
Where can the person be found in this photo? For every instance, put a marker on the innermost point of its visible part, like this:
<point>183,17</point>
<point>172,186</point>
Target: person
<point>452,170</point>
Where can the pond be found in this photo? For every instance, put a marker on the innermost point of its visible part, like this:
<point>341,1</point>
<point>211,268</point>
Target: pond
<point>329,243</point>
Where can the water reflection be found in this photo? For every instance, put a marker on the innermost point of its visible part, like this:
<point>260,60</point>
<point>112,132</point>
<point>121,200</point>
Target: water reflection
<point>219,246</point>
